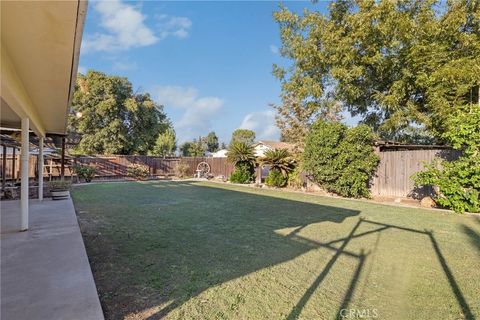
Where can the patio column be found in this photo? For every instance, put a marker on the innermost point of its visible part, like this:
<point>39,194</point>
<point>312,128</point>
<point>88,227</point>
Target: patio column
<point>62,166</point>
<point>4,168</point>
<point>24,174</point>
<point>40,169</point>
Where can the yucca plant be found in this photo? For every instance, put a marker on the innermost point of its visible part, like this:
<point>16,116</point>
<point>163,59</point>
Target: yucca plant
<point>241,153</point>
<point>279,160</point>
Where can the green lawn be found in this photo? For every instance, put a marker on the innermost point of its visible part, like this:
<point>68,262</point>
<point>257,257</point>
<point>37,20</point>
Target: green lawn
<point>191,250</point>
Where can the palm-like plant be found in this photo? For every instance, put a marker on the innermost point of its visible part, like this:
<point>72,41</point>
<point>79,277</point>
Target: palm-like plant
<point>279,159</point>
<point>241,153</point>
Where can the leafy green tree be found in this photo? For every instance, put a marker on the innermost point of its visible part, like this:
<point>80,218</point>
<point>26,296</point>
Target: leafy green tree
<point>458,181</point>
<point>108,118</point>
<point>166,143</point>
<point>211,140</point>
<point>193,148</point>
<point>403,66</point>
<point>185,148</point>
<point>243,135</point>
<point>197,148</point>
<point>223,146</point>
<point>340,159</point>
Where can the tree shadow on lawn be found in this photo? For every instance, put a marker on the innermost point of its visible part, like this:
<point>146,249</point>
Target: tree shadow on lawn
<point>201,236</point>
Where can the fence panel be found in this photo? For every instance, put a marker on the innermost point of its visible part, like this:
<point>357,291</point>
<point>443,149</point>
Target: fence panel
<point>116,166</point>
<point>395,169</point>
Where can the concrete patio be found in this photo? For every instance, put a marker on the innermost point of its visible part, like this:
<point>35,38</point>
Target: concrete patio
<point>45,273</point>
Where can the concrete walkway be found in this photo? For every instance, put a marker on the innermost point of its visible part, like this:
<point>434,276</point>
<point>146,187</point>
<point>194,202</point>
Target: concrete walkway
<point>45,272</point>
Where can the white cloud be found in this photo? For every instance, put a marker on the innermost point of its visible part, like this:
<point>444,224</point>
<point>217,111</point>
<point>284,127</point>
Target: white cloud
<point>274,49</point>
<point>263,123</point>
<point>198,112</point>
<point>125,28</point>
<point>173,26</point>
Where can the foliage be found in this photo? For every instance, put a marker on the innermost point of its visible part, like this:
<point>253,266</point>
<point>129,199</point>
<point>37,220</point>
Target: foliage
<point>402,66</point>
<point>458,181</point>
<point>59,185</point>
<point>185,148</point>
<point>85,172</point>
<point>137,171</point>
<point>279,160</point>
<point>211,141</point>
<point>243,135</point>
<point>295,179</point>
<point>166,143</point>
<point>341,159</point>
<point>197,148</point>
<point>275,178</point>
<point>181,169</point>
<point>107,117</point>
<point>194,148</point>
<point>240,152</point>
<point>294,117</point>
<point>243,173</point>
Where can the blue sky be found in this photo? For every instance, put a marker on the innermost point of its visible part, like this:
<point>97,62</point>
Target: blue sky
<point>208,63</point>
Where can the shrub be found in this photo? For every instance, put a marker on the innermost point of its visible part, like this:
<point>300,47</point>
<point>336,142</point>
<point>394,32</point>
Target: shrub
<point>137,171</point>
<point>181,169</point>
<point>59,185</point>
<point>85,172</point>
<point>243,173</point>
<point>295,179</point>
<point>276,179</point>
<point>279,160</point>
<point>458,182</point>
<point>455,182</point>
<point>340,159</point>
<point>242,155</point>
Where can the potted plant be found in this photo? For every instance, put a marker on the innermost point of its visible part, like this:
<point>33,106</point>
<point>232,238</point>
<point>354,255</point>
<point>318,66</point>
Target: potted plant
<point>60,189</point>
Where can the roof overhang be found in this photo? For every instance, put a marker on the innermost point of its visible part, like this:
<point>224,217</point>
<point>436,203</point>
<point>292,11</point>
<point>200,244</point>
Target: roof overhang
<point>40,48</point>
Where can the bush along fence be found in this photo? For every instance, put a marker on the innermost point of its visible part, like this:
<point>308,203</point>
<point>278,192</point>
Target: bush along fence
<point>392,177</point>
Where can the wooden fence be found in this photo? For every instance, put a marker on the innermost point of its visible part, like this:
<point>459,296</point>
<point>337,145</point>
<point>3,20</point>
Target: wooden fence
<point>116,166</point>
<point>393,176</point>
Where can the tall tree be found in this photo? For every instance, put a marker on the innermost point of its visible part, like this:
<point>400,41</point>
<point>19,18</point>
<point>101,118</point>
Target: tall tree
<point>108,118</point>
<point>185,148</point>
<point>195,148</point>
<point>166,143</point>
<point>243,135</point>
<point>403,66</point>
<point>211,140</point>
